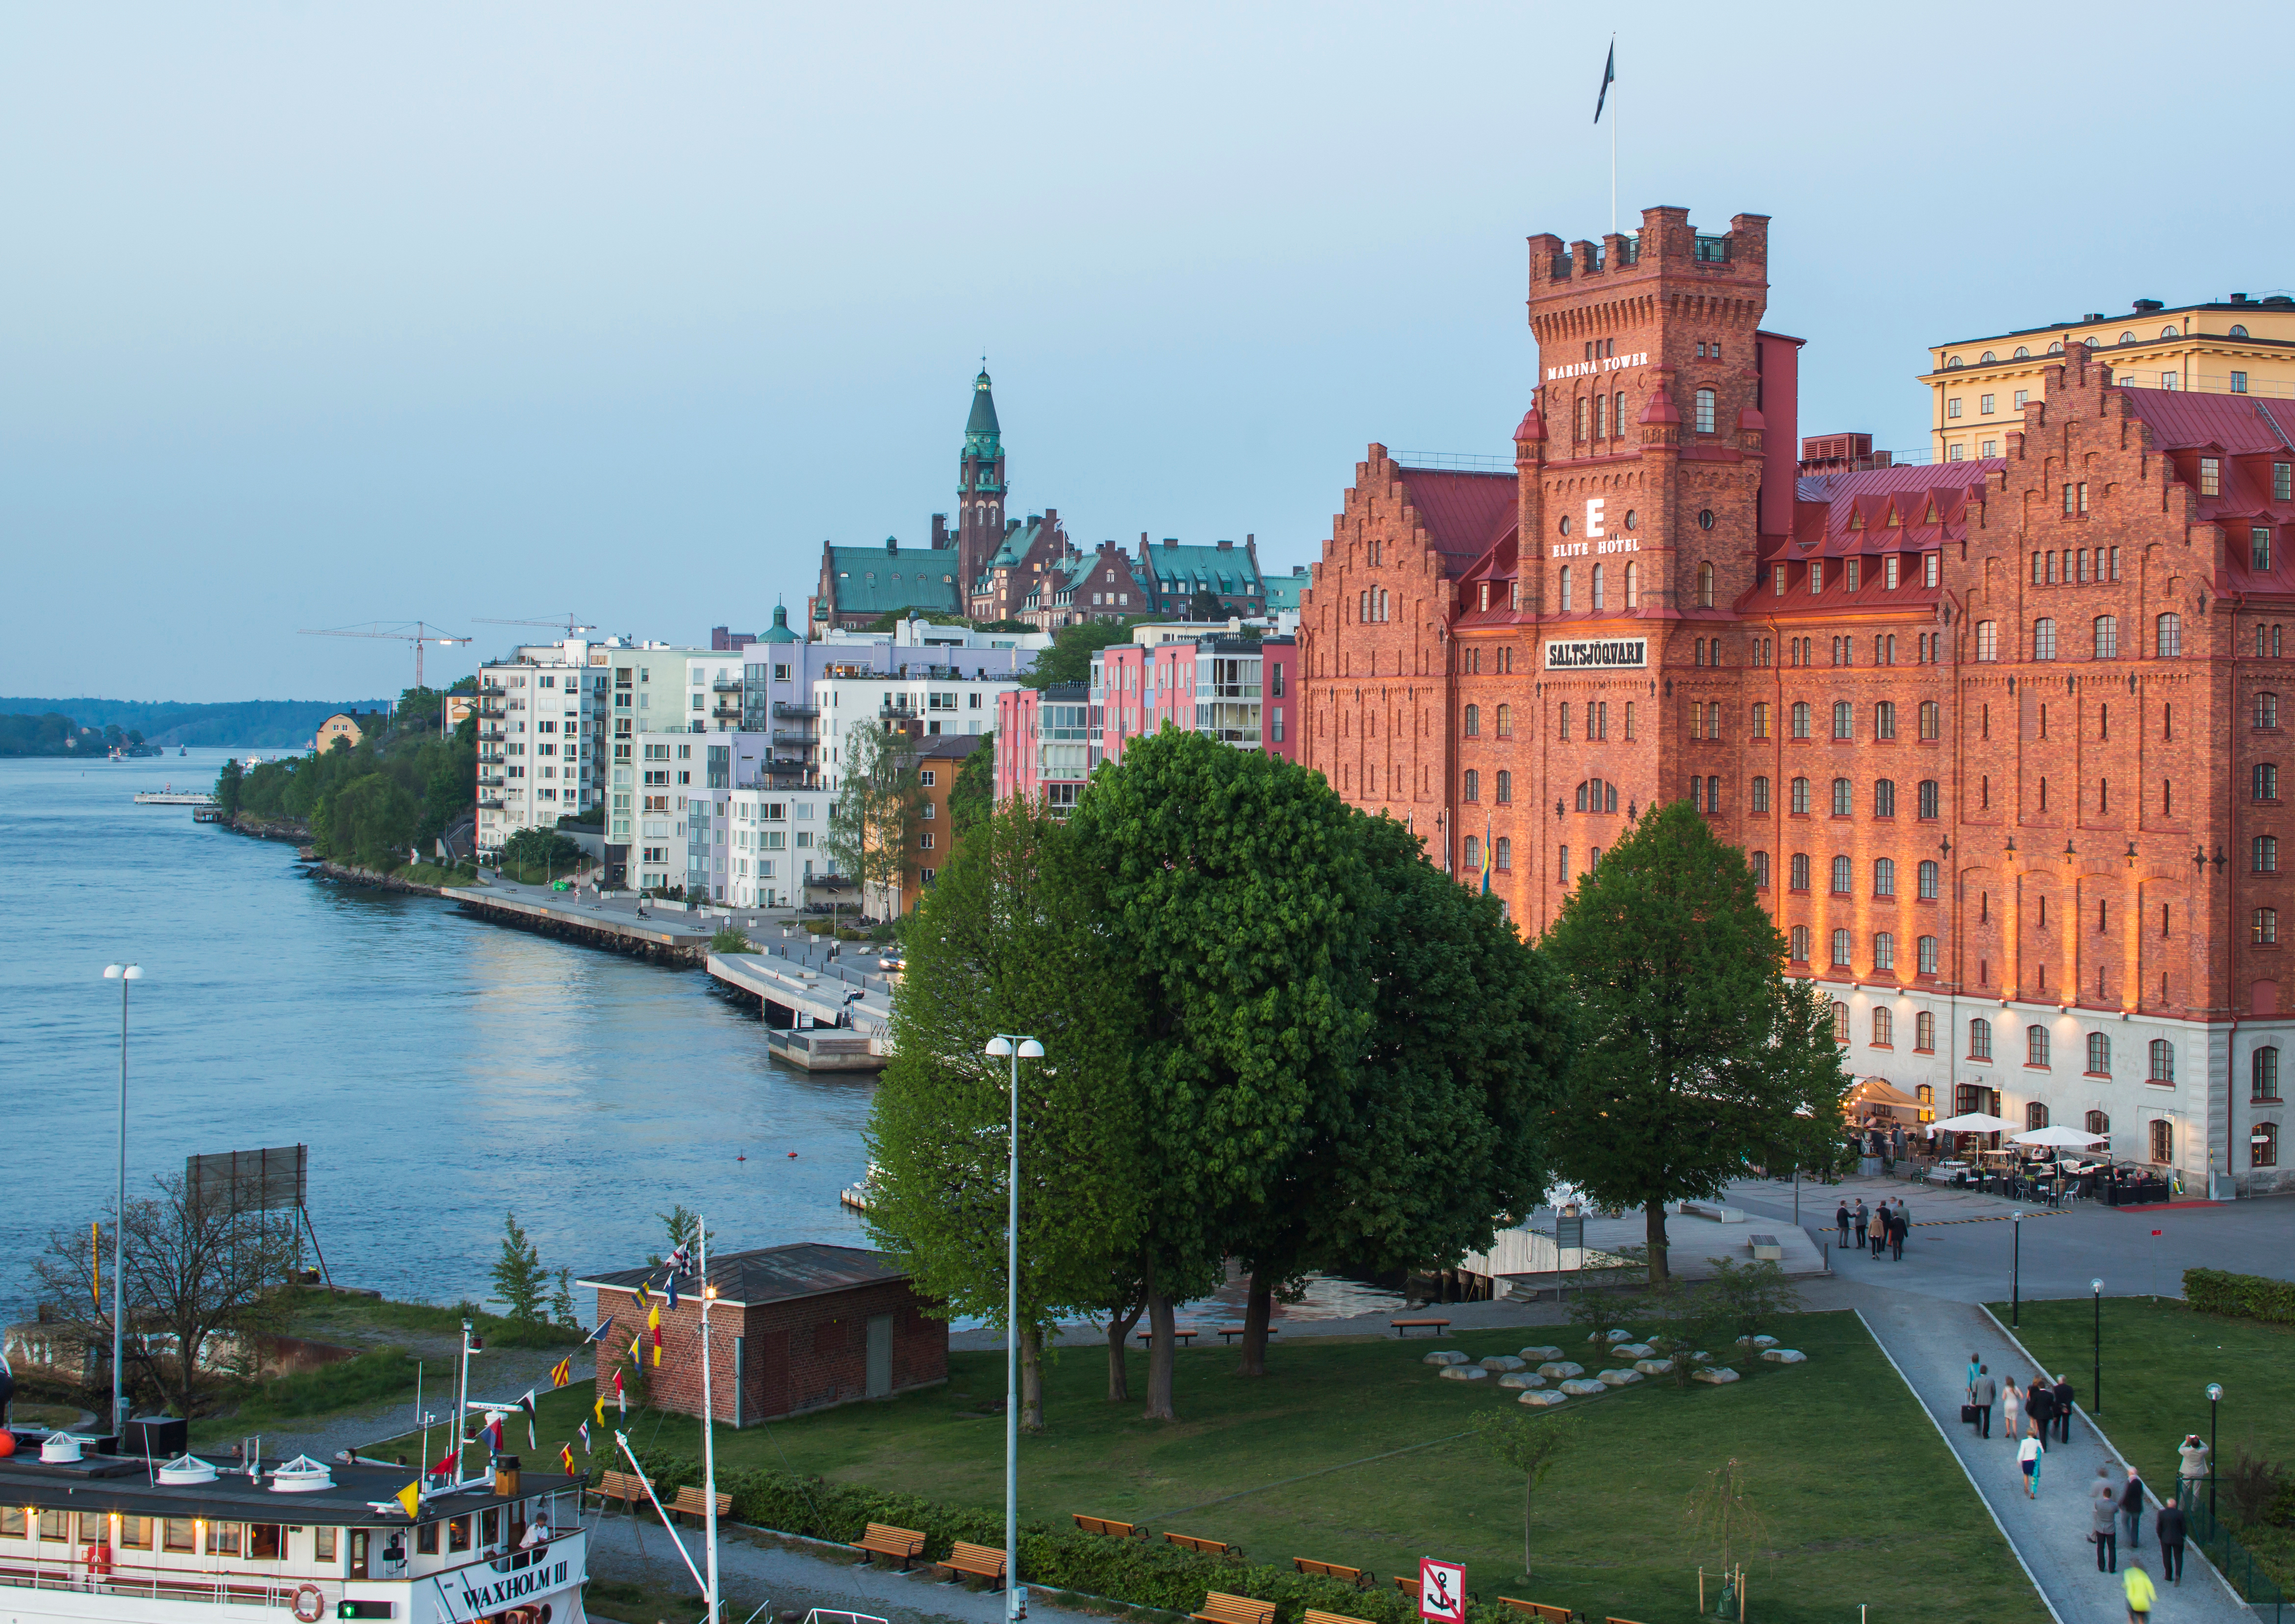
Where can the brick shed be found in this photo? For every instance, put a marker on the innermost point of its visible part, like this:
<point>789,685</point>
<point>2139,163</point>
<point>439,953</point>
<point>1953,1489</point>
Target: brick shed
<point>798,1327</point>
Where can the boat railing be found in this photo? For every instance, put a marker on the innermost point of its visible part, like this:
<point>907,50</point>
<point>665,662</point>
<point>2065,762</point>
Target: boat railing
<point>214,1588</point>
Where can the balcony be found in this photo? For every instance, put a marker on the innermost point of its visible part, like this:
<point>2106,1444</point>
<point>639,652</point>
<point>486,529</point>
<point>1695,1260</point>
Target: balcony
<point>783,708</point>
<point>491,801</point>
<point>726,685</point>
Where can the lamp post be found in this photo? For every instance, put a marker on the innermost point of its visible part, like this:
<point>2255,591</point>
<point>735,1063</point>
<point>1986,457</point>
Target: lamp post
<point>2016,1270</point>
<point>2096,1373</point>
<point>2215,1397</point>
<point>1015,1047</point>
<point>123,973</point>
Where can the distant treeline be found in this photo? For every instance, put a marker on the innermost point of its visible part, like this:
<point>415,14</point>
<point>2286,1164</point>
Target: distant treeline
<point>35,734</point>
<point>241,724</point>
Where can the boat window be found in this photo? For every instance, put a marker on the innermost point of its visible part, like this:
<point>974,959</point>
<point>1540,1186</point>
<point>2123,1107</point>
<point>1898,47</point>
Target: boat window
<point>54,1525</point>
<point>490,1526</point>
<point>12,1522</point>
<point>176,1534</point>
<point>322,1541</point>
<point>426,1540</point>
<point>458,1534</point>
<point>135,1533</point>
<point>225,1538</point>
<point>262,1541</point>
<point>358,1553</point>
<point>91,1527</point>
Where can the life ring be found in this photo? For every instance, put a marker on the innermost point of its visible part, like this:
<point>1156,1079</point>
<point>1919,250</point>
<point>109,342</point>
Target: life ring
<point>310,1604</point>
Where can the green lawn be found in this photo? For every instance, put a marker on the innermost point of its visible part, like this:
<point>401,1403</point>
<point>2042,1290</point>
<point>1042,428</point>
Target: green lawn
<point>1861,1500</point>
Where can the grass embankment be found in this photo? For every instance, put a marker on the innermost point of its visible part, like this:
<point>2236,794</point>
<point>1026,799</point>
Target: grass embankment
<point>2159,1356</point>
<point>1861,1499</point>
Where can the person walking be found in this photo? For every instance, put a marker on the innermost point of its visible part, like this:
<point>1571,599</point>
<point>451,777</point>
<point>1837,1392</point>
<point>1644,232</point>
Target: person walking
<point>2131,1511</point>
<point>2106,1531</point>
<point>1975,1370</point>
<point>1880,1230</point>
<point>1840,1222</point>
<point>1861,1220</point>
<point>1980,1393</point>
<point>2012,1411</point>
<point>2169,1526</point>
<point>1898,1224</point>
<point>2028,1456</point>
<point>2040,1405</point>
<point>2063,1396</point>
<point>2196,1463</point>
<point>2141,1593</point>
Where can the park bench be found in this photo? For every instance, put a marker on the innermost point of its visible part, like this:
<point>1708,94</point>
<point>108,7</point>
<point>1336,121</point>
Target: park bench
<point>691,1503</point>
<point>1220,1608</point>
<point>1404,1327</point>
<point>1315,1615</point>
<point>883,1540</point>
<point>1106,1525</point>
<point>1328,1570</point>
<point>1408,1583</point>
<point>1193,1542</point>
<point>1227,1333</point>
<point>1617,1621</point>
<point>623,1486</point>
<point>978,1560</point>
<point>1179,1336</point>
<point>1540,1611</point>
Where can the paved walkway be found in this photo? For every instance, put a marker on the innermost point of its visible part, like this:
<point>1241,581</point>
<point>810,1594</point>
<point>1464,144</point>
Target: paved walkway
<point>1929,1344</point>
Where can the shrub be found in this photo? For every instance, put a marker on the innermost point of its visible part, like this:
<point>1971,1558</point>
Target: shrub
<point>2214,1291</point>
<point>730,940</point>
<point>381,1373</point>
<point>2252,1486</point>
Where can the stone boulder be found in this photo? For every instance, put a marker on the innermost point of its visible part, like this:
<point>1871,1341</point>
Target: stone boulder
<point>1541,1400</point>
<point>1541,1352</point>
<point>1502,1361</point>
<point>1464,1373</point>
<point>1582,1389</point>
<point>1561,1369</point>
<point>1449,1356</point>
<point>1784,1356</point>
<point>1619,1378</point>
<point>1522,1378</point>
<point>1715,1375</point>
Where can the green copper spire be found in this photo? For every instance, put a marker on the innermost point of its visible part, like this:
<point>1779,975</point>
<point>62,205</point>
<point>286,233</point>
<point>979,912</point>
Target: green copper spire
<point>981,435</point>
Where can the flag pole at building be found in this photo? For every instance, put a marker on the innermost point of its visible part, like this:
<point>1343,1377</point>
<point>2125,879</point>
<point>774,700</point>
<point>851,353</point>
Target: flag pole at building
<point>1601,98</point>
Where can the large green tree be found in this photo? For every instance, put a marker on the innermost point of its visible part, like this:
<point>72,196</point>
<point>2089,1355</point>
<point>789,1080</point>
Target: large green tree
<point>1069,658</point>
<point>1697,1056</point>
<point>1233,881</point>
<point>870,823</point>
<point>1009,939</point>
<point>370,821</point>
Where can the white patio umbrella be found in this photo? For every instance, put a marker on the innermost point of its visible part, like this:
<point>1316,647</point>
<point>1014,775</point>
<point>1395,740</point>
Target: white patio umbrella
<point>2060,1138</point>
<point>1975,1122</point>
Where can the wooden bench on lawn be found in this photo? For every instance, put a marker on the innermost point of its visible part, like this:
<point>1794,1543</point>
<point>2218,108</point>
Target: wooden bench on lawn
<point>1208,1548</point>
<point>1227,1333</point>
<point>1220,1608</point>
<point>980,1560</point>
<point>1179,1336</point>
<point>883,1540</point>
<point>1408,1583</point>
<point>1106,1525</point>
<point>1328,1570</point>
<point>691,1503</point>
<point>1317,1616</point>
<point>1404,1327</point>
<point>623,1486</point>
<point>1540,1611</point>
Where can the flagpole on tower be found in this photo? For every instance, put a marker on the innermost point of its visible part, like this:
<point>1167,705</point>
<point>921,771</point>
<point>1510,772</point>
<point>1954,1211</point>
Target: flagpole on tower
<point>1601,101</point>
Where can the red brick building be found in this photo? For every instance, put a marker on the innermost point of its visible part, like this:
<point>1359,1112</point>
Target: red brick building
<point>794,1328</point>
<point>2002,740</point>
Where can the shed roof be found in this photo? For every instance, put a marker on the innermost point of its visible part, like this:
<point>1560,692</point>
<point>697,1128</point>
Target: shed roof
<point>773,1274</point>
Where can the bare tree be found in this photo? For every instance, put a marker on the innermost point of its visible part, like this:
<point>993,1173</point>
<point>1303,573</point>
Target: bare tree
<point>194,1267</point>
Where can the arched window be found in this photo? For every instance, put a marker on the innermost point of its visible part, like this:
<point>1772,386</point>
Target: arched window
<point>2266,710</point>
<point>2107,637</point>
<point>1884,876</point>
<point>2263,1145</point>
<point>2036,1117</point>
<point>1472,785</point>
<point>2263,1076</point>
<point>2057,348</point>
<point>1585,407</point>
<point>2163,1060</point>
<point>1844,797</point>
<point>1929,875</point>
<point>2044,639</point>
<point>2239,330</point>
<point>1988,640</point>
<point>1844,718</point>
<point>1760,861</point>
<point>1801,719</point>
<point>1884,1028</point>
<point>2097,1123</point>
<point>1594,599</point>
<point>2023,352</point>
<point>1800,795</point>
<point>1924,1041</point>
<point>1840,962</point>
<point>1932,722</point>
<point>1980,1039</point>
<point>1474,854</point>
<point>1840,1013</point>
<point>1705,403</point>
<point>1799,947</point>
<point>1884,797</point>
<point>1987,358</point>
<point>1884,950</point>
<point>1840,877</point>
<point>1566,588</point>
<point>1581,799</point>
<point>2163,1140</point>
<point>1502,852</point>
<point>1705,589</point>
<point>2099,1055</point>
<point>1930,798</point>
<point>2168,641</point>
<point>2265,926</point>
<point>1926,960</point>
<point>1474,723</point>
<point>1800,870</point>
<point>1633,586</point>
<point>1504,720</point>
<point>2036,1046</point>
<point>1761,794</point>
<point>1504,787</point>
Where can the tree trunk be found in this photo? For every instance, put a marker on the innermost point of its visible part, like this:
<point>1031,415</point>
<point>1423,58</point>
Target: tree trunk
<point>1031,1379</point>
<point>1658,1270</point>
<point>1160,1347</point>
<point>1527,1492</point>
<point>1258,1311</point>
<point>1119,1336</point>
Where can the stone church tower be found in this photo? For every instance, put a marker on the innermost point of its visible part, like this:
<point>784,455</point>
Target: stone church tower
<point>980,490</point>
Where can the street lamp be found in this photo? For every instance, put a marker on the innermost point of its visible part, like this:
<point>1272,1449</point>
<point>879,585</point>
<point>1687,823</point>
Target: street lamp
<point>2096,1374</point>
<point>2215,1397</point>
<point>1015,1046</point>
<point>123,973</point>
<point>2016,1270</point>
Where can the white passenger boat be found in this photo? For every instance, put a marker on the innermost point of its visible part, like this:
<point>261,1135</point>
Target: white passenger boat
<point>86,1536</point>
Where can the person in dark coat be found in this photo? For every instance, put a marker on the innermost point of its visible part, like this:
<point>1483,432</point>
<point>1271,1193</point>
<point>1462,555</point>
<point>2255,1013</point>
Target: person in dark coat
<point>2105,1534</point>
<point>1861,1219</point>
<point>2131,1511</point>
<point>2040,1405</point>
<point>1898,1224</point>
<point>2064,1397</point>
<point>1840,1222</point>
<point>2168,1525</point>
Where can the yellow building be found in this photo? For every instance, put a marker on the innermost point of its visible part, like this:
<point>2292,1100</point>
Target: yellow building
<point>1978,387</point>
<point>349,726</point>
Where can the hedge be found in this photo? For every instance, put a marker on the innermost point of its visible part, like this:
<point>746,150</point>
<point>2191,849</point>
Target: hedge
<point>1143,1573</point>
<point>2214,1291</point>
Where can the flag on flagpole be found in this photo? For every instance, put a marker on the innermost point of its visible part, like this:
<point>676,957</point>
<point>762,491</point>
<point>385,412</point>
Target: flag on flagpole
<point>411,1498</point>
<point>450,1462</point>
<point>565,1454</point>
<point>636,1342</point>
<point>670,1287</point>
<point>1609,74</point>
<point>492,1433</point>
<point>599,1336</point>
<point>526,1404</point>
<point>1486,857</point>
<point>621,1397</point>
<point>602,1402</point>
<point>563,1372</point>
<point>585,1426</point>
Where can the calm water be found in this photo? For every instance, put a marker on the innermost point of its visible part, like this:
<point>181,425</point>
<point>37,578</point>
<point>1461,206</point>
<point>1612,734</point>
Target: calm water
<point>441,1070</point>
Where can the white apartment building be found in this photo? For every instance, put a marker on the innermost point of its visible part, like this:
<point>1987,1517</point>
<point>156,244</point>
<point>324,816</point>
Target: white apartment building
<point>541,737</point>
<point>926,699</point>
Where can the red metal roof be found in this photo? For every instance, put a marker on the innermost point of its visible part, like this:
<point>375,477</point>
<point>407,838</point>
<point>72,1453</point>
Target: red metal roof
<point>2238,425</point>
<point>1465,514</point>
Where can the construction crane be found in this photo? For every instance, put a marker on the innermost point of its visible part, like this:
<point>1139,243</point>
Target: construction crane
<point>571,624</point>
<point>419,634</point>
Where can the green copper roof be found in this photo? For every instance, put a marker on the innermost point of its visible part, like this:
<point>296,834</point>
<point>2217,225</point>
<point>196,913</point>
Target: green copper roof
<point>780,633</point>
<point>870,580</point>
<point>981,434</point>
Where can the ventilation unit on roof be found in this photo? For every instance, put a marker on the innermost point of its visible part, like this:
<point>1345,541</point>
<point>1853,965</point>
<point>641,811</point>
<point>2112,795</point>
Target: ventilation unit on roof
<point>2142,305</point>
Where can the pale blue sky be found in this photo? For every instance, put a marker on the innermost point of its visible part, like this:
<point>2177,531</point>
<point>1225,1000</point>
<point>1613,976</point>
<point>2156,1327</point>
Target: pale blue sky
<point>324,313</point>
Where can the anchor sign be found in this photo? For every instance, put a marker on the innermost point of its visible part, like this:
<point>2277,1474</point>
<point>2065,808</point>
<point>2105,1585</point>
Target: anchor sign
<point>1442,1591</point>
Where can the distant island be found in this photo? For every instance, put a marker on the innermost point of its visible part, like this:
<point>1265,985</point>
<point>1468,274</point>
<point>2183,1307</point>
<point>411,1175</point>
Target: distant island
<point>261,724</point>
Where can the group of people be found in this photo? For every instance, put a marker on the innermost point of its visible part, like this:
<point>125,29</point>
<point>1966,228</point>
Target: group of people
<point>1880,1228</point>
<point>2032,1413</point>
